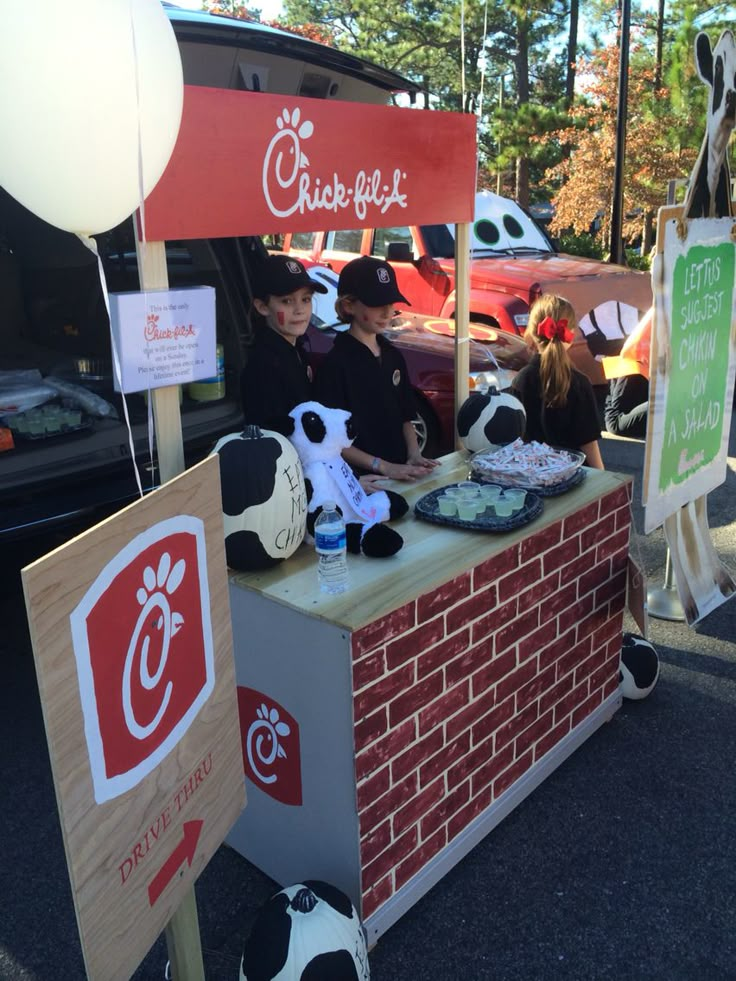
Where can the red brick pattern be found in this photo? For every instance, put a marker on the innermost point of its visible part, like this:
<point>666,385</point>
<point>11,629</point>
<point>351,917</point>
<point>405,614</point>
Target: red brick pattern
<point>458,694</point>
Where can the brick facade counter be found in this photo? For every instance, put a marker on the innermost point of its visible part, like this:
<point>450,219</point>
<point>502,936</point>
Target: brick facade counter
<point>423,719</point>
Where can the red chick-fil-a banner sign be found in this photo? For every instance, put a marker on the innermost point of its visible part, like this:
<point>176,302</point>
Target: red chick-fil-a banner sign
<point>248,163</point>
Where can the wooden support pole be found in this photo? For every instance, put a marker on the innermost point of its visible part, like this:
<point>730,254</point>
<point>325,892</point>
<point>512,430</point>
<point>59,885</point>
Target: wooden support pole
<point>183,942</point>
<point>166,412</point>
<point>182,933</point>
<point>462,317</point>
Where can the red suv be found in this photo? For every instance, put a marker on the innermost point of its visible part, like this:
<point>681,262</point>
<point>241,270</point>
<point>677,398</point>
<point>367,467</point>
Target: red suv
<point>512,263</point>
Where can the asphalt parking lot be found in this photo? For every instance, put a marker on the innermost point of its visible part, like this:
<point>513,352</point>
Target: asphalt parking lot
<point>620,865</point>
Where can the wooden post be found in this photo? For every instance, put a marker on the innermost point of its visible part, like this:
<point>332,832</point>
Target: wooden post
<point>166,413</point>
<point>462,317</point>
<point>183,942</point>
<point>182,933</point>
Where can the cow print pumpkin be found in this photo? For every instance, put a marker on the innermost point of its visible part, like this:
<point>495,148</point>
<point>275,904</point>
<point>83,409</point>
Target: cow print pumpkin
<point>264,498</point>
<point>639,667</point>
<point>490,419</point>
<point>306,932</point>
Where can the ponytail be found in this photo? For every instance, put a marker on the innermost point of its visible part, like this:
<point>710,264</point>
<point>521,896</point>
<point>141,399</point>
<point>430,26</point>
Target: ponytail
<point>555,367</point>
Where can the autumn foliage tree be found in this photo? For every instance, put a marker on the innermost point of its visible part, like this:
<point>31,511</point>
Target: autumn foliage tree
<point>655,152</point>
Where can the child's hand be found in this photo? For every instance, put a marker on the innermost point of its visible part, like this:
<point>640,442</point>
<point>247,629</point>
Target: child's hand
<point>417,460</point>
<point>371,482</point>
<point>406,471</point>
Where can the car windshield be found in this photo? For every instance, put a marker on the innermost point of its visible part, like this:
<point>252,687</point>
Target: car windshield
<point>439,241</point>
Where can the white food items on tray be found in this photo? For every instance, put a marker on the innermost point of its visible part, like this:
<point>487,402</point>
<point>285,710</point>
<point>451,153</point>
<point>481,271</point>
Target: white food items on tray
<point>534,464</point>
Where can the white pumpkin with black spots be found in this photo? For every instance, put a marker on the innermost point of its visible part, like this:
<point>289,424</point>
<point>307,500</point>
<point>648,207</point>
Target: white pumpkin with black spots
<point>319,434</point>
<point>264,498</point>
<point>306,932</point>
<point>639,668</point>
<point>490,419</point>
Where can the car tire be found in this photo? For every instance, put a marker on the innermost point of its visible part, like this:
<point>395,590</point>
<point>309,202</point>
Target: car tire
<point>427,428</point>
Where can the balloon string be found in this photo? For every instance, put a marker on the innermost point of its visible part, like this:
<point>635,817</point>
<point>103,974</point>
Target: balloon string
<point>92,246</point>
<point>142,216</point>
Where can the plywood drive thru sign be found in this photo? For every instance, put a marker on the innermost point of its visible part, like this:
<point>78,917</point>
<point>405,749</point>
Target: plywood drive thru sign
<point>132,639</point>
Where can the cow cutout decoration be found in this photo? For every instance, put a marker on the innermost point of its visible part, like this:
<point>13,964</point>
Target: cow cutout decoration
<point>639,667</point>
<point>264,498</point>
<point>488,419</point>
<point>307,932</point>
<point>319,434</point>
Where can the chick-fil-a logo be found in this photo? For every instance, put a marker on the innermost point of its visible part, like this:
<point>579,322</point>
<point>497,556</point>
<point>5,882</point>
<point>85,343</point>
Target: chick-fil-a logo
<point>288,186</point>
<point>143,646</point>
<point>152,331</point>
<point>271,752</point>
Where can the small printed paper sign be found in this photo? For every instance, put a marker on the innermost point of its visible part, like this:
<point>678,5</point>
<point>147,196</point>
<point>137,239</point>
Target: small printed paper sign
<point>163,337</point>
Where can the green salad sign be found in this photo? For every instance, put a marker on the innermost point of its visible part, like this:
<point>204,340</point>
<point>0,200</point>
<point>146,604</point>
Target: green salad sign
<point>702,288</point>
<point>692,364</point>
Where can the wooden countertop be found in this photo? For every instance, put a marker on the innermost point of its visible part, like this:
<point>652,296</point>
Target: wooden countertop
<point>432,554</point>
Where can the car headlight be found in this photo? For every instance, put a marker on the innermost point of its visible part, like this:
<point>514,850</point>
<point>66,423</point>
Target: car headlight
<point>482,381</point>
<point>521,319</point>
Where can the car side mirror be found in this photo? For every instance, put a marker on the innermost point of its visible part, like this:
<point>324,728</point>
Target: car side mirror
<point>399,252</point>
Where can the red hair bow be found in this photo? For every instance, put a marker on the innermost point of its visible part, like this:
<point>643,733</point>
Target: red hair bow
<point>550,329</point>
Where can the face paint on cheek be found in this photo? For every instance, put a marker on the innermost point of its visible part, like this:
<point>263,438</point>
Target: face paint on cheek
<point>280,318</point>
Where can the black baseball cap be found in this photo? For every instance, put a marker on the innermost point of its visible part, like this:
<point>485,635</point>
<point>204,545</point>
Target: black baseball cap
<point>280,275</point>
<point>370,280</point>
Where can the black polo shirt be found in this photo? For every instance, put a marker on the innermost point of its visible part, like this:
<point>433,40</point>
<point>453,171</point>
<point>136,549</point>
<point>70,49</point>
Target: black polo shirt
<point>570,426</point>
<point>375,390</point>
<point>276,378</point>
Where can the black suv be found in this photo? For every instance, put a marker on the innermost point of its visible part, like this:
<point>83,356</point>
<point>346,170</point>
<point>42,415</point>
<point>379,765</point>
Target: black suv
<point>53,320</point>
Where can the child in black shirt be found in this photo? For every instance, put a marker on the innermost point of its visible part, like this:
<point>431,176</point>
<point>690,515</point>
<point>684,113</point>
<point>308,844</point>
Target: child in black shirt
<point>365,374</point>
<point>560,404</point>
<point>277,375</point>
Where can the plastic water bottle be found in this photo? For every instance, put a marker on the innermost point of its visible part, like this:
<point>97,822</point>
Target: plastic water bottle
<point>330,543</point>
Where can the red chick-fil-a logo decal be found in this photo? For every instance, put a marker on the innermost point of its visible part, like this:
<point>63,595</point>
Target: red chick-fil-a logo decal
<point>288,186</point>
<point>142,640</point>
<point>152,331</point>
<point>271,753</point>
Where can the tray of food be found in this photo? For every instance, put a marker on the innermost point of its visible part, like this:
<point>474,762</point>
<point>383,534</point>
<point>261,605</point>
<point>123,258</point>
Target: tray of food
<point>47,421</point>
<point>546,470</point>
<point>486,517</point>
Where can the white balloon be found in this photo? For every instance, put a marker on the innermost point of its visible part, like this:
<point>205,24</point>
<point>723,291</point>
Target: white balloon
<point>79,83</point>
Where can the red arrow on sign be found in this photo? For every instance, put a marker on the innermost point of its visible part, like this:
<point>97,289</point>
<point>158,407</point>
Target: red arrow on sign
<point>184,851</point>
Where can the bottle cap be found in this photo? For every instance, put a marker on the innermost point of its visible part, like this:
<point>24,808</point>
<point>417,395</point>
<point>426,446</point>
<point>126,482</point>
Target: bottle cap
<point>329,506</point>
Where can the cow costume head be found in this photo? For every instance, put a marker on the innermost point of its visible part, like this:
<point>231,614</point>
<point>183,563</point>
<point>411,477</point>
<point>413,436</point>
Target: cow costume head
<point>709,193</point>
<point>319,435</point>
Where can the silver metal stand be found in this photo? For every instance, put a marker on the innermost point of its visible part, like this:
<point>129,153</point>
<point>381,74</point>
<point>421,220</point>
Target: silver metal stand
<point>663,602</point>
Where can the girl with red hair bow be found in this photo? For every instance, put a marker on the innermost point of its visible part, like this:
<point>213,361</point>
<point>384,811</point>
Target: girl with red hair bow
<point>561,408</point>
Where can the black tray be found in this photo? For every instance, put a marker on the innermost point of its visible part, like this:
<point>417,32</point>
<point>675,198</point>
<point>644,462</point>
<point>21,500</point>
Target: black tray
<point>427,509</point>
<point>550,490</point>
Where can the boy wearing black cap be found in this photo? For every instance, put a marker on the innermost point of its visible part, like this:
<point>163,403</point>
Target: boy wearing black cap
<point>365,374</point>
<point>277,376</point>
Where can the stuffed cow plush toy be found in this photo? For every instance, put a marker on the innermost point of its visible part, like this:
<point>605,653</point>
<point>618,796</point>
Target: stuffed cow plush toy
<point>319,434</point>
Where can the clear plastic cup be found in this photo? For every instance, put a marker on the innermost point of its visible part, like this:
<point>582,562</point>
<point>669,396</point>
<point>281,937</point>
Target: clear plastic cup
<point>454,493</point>
<point>52,418</point>
<point>36,425</point>
<point>469,488</point>
<point>467,510</point>
<point>516,495</point>
<point>447,505</point>
<point>489,492</point>
<point>503,507</point>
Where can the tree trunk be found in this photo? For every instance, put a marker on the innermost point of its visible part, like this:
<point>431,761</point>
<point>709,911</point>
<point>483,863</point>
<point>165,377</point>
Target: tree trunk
<point>572,52</point>
<point>658,55</point>
<point>522,181</point>
<point>647,233</point>
<point>522,90</point>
